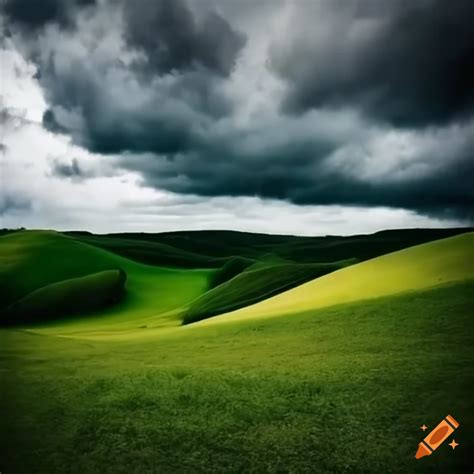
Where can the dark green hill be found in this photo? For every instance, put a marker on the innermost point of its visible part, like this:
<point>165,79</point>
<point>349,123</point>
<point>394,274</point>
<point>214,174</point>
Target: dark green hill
<point>150,252</point>
<point>256,284</point>
<point>68,297</point>
<point>30,260</point>
<point>37,267</point>
<point>211,248</point>
<point>230,269</point>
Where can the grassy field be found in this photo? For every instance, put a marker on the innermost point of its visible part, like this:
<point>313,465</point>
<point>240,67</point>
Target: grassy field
<point>343,389</point>
<point>337,377</point>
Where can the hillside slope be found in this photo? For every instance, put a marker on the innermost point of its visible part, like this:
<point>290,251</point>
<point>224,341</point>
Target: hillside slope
<point>256,284</point>
<point>68,298</point>
<point>418,267</point>
<point>32,260</point>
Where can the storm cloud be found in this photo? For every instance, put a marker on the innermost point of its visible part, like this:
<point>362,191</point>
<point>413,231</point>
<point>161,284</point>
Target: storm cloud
<point>408,63</point>
<point>31,15</point>
<point>172,39</point>
<point>431,173</point>
<point>354,103</point>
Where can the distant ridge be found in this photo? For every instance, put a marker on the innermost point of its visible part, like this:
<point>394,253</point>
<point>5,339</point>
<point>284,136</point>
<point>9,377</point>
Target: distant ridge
<point>213,244</point>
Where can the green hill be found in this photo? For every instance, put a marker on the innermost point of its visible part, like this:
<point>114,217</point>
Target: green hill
<point>230,269</point>
<point>68,297</point>
<point>32,260</point>
<point>255,284</point>
<point>155,295</point>
<point>411,269</point>
<point>150,252</point>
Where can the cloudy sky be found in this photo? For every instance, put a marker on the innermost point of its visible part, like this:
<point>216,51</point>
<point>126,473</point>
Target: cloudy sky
<point>287,116</point>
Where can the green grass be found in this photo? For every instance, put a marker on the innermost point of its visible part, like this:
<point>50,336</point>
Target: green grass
<point>255,284</point>
<point>414,268</point>
<point>342,389</point>
<point>68,297</point>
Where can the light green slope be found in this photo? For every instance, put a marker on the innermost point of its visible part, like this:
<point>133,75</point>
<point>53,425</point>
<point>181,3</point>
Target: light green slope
<point>34,259</point>
<point>256,284</point>
<point>415,268</point>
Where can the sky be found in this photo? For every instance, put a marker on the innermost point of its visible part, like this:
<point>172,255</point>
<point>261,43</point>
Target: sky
<point>308,117</point>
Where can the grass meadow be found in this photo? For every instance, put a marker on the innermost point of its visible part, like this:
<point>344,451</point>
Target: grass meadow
<point>336,388</point>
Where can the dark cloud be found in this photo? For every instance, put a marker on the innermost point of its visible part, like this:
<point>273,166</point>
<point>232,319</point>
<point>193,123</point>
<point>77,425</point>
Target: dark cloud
<point>307,173</point>
<point>50,123</point>
<point>112,107</point>
<point>173,40</point>
<point>167,107</point>
<point>109,118</point>
<point>408,63</point>
<point>32,15</point>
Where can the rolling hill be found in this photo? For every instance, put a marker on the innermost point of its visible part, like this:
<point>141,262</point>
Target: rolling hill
<point>418,267</point>
<point>34,260</point>
<point>157,296</point>
<point>74,296</point>
<point>151,252</point>
<point>255,284</point>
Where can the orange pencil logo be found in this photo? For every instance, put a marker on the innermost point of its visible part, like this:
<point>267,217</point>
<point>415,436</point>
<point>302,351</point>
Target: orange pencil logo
<point>437,437</point>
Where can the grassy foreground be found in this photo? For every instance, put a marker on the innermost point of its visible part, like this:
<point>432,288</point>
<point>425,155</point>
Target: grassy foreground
<point>343,389</point>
